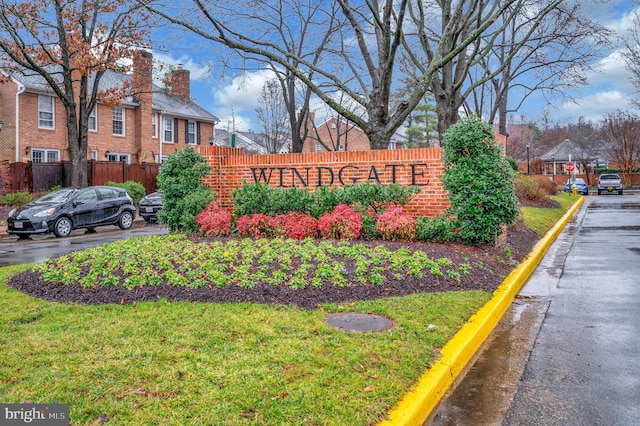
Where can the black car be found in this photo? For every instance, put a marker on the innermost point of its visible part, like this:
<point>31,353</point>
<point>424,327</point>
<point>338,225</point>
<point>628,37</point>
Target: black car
<point>149,206</point>
<point>63,211</point>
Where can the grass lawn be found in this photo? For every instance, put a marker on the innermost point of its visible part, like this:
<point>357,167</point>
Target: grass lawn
<point>542,220</point>
<point>224,364</point>
<point>217,364</point>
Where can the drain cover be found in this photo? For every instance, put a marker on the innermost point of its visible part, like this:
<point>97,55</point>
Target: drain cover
<point>359,322</point>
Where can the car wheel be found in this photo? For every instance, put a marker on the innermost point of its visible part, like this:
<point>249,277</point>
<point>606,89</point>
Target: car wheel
<point>63,227</point>
<point>599,192</point>
<point>620,192</point>
<point>126,220</point>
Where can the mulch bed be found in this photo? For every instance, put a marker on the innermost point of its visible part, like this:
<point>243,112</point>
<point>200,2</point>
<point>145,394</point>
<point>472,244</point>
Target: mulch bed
<point>496,266</point>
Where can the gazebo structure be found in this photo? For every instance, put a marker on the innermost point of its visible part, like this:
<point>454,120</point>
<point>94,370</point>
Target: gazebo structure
<point>556,158</point>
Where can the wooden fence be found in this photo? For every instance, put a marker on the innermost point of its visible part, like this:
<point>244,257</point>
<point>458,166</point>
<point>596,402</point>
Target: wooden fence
<point>40,177</point>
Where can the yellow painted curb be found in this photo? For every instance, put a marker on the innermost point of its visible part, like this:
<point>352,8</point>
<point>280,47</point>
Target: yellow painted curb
<point>416,406</point>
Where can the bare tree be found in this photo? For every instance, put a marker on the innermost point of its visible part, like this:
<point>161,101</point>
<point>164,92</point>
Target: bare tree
<point>588,143</point>
<point>442,24</point>
<point>555,56</point>
<point>273,116</point>
<point>71,45</point>
<point>622,132</point>
<point>359,61</point>
<point>631,54</point>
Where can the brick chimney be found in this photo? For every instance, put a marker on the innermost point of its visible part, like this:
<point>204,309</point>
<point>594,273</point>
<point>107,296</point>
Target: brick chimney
<point>142,89</point>
<point>180,83</point>
<point>142,73</point>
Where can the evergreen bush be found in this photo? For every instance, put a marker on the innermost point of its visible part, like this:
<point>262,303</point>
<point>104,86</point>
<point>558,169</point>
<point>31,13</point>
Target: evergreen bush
<point>479,181</point>
<point>135,189</point>
<point>184,195</point>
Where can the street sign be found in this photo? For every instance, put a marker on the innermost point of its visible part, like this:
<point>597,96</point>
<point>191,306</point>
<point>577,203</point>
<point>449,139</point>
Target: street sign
<point>569,167</point>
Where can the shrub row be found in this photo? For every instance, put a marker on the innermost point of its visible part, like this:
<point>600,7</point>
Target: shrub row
<point>342,223</point>
<point>364,197</point>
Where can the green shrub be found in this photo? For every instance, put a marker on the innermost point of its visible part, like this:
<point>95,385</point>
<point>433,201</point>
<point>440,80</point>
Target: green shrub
<point>439,229</point>
<point>251,199</point>
<point>135,189</point>
<point>479,181</point>
<point>513,163</point>
<point>184,195</point>
<point>16,199</point>
<point>260,198</point>
<point>369,228</point>
<point>365,196</point>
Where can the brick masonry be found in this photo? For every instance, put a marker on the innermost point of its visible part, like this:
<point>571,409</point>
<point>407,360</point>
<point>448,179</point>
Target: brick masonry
<point>420,166</point>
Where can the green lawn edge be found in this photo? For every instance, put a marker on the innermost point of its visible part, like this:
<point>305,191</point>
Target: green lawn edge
<point>541,220</point>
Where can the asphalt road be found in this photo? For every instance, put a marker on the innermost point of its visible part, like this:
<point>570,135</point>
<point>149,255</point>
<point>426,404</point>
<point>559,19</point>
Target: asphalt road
<point>14,251</point>
<point>568,352</point>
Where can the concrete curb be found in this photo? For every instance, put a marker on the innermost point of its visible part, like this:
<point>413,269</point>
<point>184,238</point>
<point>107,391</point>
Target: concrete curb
<point>416,406</point>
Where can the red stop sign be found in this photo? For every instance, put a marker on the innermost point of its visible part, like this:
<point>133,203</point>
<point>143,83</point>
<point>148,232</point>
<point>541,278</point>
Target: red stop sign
<point>569,167</point>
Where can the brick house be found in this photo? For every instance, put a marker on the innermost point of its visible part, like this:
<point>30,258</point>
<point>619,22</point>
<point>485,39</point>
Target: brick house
<point>146,127</point>
<point>342,135</point>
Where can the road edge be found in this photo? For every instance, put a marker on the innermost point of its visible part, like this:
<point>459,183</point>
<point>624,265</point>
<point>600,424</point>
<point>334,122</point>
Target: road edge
<point>418,404</point>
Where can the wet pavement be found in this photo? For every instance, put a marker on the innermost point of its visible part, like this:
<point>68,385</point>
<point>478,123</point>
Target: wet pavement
<point>566,353</point>
<point>14,251</point>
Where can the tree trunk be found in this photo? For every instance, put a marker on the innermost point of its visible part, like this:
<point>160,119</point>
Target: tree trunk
<point>77,150</point>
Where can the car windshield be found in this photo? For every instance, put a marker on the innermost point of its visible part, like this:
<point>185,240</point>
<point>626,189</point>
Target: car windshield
<point>57,196</point>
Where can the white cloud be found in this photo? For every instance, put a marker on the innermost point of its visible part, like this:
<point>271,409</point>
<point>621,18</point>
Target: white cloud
<point>236,102</point>
<point>595,106</point>
<point>611,71</point>
<point>197,71</point>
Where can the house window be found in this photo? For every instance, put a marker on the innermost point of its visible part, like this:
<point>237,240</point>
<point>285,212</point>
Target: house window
<point>154,124</point>
<point>93,121</point>
<point>118,121</point>
<point>191,132</point>
<point>392,145</point>
<point>319,147</point>
<point>94,154</point>
<point>116,156</point>
<point>45,155</point>
<point>167,129</point>
<point>45,111</point>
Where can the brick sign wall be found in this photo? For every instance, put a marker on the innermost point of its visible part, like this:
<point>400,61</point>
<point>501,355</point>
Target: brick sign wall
<point>421,166</point>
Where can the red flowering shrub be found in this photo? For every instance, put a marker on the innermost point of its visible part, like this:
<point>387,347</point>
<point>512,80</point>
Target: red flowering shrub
<point>296,225</point>
<point>394,224</point>
<point>341,223</point>
<point>214,221</point>
<point>256,225</point>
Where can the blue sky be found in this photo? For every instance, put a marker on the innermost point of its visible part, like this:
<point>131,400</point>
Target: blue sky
<point>234,98</point>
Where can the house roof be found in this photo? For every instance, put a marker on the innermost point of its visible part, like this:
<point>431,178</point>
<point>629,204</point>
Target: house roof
<point>568,149</point>
<point>250,141</point>
<point>162,101</point>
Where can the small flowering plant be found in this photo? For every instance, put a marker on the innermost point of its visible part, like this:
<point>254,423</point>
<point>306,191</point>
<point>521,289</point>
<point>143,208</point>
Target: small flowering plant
<point>214,221</point>
<point>342,223</point>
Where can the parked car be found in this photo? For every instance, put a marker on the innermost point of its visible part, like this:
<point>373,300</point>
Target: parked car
<point>579,183</point>
<point>63,211</point>
<point>149,206</point>
<point>610,182</point>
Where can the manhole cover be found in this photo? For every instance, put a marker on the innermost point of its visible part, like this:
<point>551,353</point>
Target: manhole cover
<point>359,322</point>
